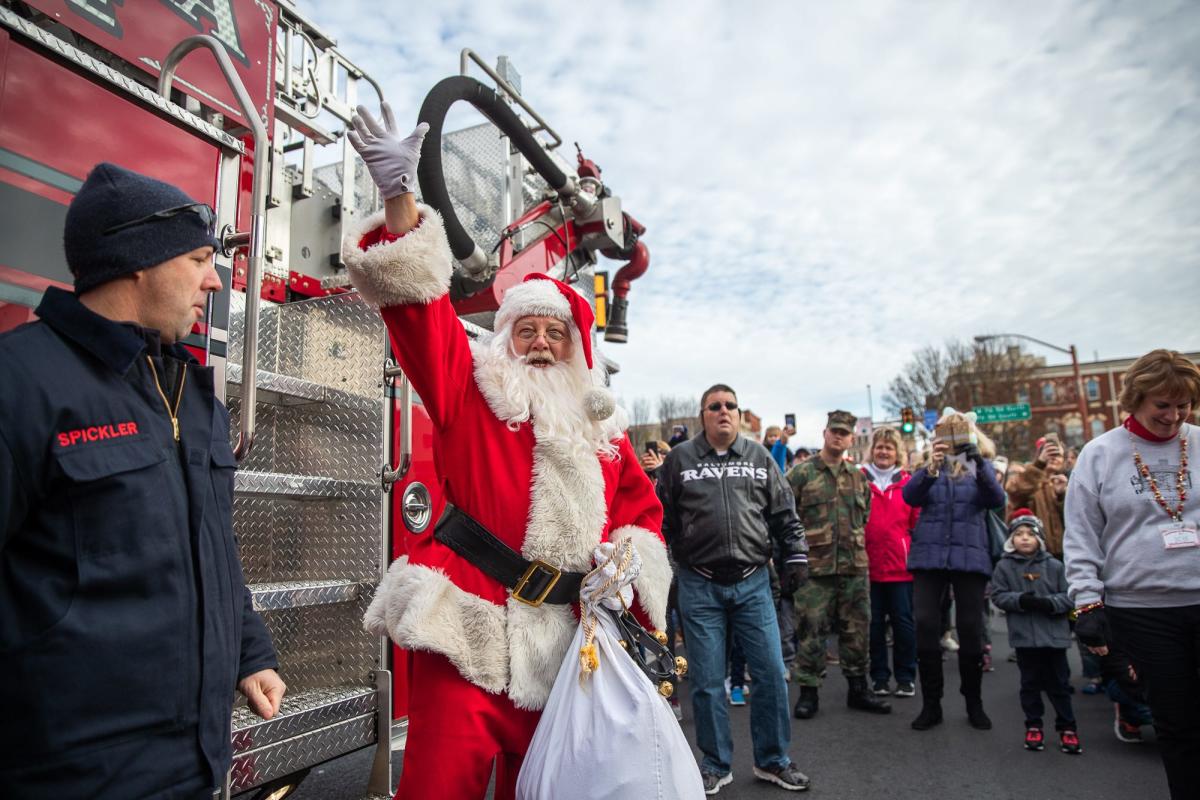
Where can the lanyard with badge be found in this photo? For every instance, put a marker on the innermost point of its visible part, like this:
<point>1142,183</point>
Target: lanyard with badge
<point>1177,533</point>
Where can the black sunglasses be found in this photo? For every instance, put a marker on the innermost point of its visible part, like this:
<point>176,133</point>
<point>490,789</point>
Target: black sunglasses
<point>202,210</point>
<point>716,406</point>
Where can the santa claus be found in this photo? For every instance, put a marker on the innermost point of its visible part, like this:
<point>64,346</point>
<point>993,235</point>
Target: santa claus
<point>533,458</point>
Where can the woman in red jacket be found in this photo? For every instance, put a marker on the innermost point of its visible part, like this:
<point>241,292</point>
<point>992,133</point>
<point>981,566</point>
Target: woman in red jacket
<point>889,533</point>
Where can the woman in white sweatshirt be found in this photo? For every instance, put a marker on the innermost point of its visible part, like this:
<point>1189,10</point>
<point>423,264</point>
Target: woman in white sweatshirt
<point>1133,552</point>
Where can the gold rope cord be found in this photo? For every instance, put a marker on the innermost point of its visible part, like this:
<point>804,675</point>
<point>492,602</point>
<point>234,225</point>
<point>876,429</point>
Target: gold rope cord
<point>589,658</point>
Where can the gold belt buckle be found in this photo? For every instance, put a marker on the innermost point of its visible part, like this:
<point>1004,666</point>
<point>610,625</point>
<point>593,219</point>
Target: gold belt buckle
<point>536,566</point>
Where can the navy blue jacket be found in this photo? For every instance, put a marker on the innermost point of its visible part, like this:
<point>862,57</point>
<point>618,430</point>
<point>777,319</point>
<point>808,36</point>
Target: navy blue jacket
<point>952,530</point>
<point>125,622</point>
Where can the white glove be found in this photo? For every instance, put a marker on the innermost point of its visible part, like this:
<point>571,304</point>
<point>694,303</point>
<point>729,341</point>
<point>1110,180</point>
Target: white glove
<point>593,592</point>
<point>392,161</point>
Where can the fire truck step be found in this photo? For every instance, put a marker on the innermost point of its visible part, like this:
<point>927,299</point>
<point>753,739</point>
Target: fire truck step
<point>285,390</point>
<point>303,487</point>
<point>311,727</point>
<point>297,594</point>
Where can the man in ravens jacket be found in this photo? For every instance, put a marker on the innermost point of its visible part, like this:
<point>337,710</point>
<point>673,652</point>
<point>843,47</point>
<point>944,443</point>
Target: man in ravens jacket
<point>727,511</point>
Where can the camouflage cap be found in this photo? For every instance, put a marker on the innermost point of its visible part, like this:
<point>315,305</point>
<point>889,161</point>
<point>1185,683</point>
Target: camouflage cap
<point>842,420</point>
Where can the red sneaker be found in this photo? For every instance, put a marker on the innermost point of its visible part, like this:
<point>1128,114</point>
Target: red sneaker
<point>1068,742</point>
<point>1034,739</point>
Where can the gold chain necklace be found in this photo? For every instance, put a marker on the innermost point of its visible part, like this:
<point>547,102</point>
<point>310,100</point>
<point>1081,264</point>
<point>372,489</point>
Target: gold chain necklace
<point>172,413</point>
<point>1180,487</point>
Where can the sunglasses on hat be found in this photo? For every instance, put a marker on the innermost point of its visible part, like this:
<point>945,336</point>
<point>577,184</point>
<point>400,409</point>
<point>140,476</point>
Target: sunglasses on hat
<point>203,210</point>
<point>716,406</point>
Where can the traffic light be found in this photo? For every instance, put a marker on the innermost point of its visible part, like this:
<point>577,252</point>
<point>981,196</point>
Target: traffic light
<point>908,423</point>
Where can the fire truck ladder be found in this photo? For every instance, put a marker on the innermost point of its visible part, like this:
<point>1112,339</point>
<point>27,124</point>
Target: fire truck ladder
<point>305,393</point>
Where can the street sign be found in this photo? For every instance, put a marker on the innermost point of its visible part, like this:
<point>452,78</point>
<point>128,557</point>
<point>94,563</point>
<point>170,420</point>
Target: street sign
<point>931,418</point>
<point>1009,412</point>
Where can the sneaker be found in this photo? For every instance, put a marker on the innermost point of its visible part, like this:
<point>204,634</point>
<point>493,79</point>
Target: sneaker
<point>1034,740</point>
<point>906,689</point>
<point>1068,742</point>
<point>1093,686</point>
<point>676,709</point>
<point>881,688</point>
<point>987,663</point>
<point>948,643</point>
<point>1012,657</point>
<point>1128,732</point>
<point>788,777</point>
<point>737,696</point>
<point>713,782</point>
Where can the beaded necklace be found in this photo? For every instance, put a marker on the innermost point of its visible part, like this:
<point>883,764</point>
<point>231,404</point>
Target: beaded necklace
<point>1181,476</point>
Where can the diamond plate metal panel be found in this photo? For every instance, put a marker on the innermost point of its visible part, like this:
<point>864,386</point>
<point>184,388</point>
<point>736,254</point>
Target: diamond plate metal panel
<point>300,713</point>
<point>298,594</point>
<point>323,646</point>
<point>309,515</point>
<point>259,766</point>
<point>296,540</point>
<point>316,487</point>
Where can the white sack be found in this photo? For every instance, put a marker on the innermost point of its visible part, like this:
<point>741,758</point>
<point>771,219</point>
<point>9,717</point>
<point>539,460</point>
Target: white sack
<point>611,738</point>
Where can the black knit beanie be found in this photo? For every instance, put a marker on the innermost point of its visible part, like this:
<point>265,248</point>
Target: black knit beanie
<point>110,196</point>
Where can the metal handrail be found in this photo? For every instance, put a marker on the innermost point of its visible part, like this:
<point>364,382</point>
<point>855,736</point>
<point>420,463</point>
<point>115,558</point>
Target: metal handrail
<point>257,219</point>
<point>391,474</point>
<point>469,54</point>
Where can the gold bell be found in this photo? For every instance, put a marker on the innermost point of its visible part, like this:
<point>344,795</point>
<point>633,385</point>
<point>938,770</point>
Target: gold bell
<point>624,644</point>
<point>680,666</point>
<point>661,636</point>
<point>666,689</point>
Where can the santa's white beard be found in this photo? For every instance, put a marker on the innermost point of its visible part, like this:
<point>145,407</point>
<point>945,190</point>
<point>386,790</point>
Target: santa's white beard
<point>549,396</point>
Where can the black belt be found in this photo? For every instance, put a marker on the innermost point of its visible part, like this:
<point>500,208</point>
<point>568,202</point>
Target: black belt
<point>531,582</point>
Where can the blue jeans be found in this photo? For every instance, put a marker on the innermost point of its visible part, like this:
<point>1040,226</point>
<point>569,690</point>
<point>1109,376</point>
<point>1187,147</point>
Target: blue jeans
<point>711,612</point>
<point>894,602</point>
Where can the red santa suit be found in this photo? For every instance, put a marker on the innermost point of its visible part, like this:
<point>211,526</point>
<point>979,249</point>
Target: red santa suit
<point>484,663</point>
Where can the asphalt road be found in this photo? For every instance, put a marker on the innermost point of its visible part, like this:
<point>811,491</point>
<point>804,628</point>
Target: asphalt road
<point>851,754</point>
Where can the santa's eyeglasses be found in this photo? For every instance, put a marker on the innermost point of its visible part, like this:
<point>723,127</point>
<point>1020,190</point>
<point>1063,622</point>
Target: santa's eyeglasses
<point>716,406</point>
<point>202,210</point>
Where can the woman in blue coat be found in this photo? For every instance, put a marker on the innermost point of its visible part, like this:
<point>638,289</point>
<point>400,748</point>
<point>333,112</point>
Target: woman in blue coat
<point>954,490</point>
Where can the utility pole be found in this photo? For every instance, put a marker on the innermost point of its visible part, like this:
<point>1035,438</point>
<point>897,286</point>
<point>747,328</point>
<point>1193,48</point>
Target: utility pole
<point>870,405</point>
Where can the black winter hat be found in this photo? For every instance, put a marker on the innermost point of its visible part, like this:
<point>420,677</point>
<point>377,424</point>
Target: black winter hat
<point>113,195</point>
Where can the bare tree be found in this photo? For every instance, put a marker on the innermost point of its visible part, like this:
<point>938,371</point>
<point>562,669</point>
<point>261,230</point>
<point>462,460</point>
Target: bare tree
<point>922,382</point>
<point>639,422</point>
<point>677,410</point>
<point>966,375</point>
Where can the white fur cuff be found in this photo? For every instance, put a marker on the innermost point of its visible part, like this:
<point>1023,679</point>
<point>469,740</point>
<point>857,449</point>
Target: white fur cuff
<point>422,609</point>
<point>653,585</point>
<point>415,268</point>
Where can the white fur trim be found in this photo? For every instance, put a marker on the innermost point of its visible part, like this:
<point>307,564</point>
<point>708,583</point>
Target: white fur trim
<point>421,609</point>
<point>566,519</point>
<point>532,299</point>
<point>415,268</point>
<point>653,585</point>
<point>538,639</point>
<point>599,403</point>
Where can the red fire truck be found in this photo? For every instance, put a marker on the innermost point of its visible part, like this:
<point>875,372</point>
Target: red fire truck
<point>243,104</point>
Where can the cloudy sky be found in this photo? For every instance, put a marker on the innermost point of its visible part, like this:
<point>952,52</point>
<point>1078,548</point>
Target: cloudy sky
<point>828,187</point>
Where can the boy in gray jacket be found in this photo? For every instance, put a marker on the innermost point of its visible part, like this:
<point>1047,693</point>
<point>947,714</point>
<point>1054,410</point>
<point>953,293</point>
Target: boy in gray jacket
<point>1030,585</point>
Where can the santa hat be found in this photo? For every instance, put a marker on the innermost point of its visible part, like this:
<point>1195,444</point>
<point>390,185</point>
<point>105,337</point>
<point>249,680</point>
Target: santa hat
<point>1020,517</point>
<point>540,295</point>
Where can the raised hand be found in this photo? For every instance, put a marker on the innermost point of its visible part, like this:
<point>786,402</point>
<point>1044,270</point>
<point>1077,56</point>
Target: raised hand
<point>391,160</point>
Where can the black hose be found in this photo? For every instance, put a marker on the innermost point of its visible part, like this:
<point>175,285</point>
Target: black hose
<point>429,172</point>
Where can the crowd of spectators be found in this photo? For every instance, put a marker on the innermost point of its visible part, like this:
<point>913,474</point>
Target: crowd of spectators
<point>780,552</point>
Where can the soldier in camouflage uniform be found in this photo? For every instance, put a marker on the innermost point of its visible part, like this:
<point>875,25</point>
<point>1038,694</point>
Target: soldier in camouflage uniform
<point>833,500</point>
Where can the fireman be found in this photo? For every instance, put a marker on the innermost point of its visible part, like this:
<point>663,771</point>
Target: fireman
<point>125,624</point>
<point>535,462</point>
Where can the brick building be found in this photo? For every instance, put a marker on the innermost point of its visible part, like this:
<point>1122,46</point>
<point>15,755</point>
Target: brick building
<point>1050,390</point>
